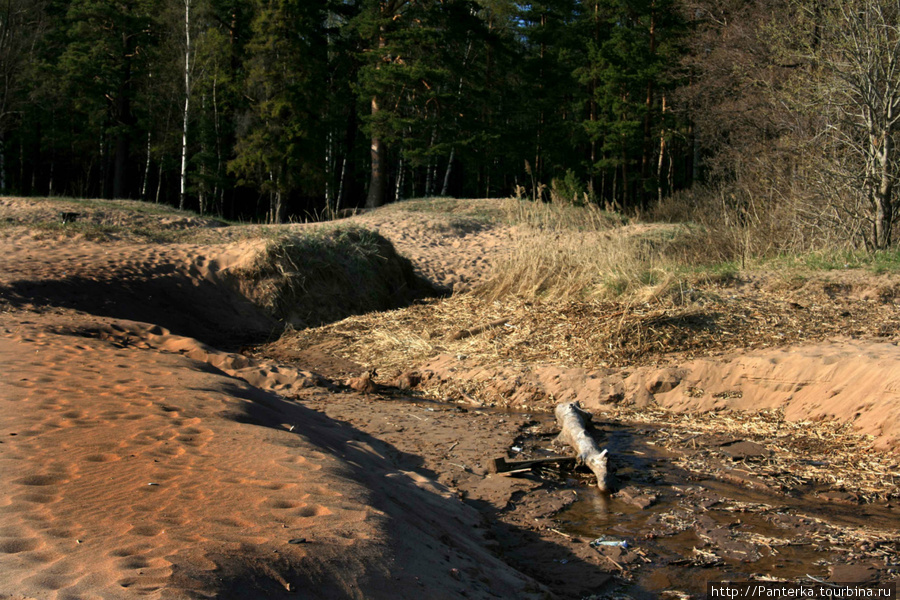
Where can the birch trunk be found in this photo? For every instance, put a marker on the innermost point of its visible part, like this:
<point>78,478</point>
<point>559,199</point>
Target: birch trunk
<point>446,185</point>
<point>329,208</point>
<point>146,171</point>
<point>187,101</point>
<point>573,422</point>
<point>340,191</point>
<point>398,189</point>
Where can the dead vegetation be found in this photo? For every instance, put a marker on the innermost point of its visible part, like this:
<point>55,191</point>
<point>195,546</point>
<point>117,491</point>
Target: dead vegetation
<point>682,321</point>
<point>324,274</point>
<point>847,469</point>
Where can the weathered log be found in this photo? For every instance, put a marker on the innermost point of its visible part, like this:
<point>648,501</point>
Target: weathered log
<point>573,424</point>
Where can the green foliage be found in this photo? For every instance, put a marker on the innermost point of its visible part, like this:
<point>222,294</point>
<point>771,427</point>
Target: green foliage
<point>276,148</point>
<point>569,189</point>
<point>287,98</point>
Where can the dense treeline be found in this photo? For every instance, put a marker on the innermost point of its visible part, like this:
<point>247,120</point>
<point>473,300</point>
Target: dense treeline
<point>270,107</point>
<point>279,108</point>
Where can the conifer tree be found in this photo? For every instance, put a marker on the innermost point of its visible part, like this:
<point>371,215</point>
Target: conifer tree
<point>109,46</point>
<point>277,147</point>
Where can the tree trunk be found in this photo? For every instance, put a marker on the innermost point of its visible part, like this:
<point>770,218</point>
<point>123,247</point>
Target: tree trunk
<point>146,171</point>
<point>883,196</point>
<point>573,422</point>
<point>446,187</point>
<point>398,188</point>
<point>278,208</point>
<point>662,154</point>
<point>648,120</point>
<point>120,165</point>
<point>329,175</point>
<point>340,190</point>
<point>217,191</point>
<point>124,123</point>
<point>187,102</point>
<point>159,182</point>
<point>377,183</point>
<point>376,180</point>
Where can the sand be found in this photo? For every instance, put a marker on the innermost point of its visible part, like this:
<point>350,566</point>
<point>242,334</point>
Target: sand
<point>141,462</point>
<point>143,455</point>
<point>848,381</point>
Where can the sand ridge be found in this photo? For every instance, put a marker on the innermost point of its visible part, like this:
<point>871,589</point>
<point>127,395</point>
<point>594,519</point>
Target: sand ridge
<point>143,462</point>
<point>138,472</point>
<point>850,381</point>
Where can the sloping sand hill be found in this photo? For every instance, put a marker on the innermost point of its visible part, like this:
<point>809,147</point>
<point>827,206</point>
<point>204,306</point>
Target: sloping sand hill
<point>157,470</point>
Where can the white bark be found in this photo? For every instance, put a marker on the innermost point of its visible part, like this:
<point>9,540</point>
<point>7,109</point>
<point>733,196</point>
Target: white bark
<point>573,432</point>
<point>398,188</point>
<point>446,186</point>
<point>329,208</point>
<point>340,191</point>
<point>187,100</point>
<point>146,171</point>
<point>159,182</point>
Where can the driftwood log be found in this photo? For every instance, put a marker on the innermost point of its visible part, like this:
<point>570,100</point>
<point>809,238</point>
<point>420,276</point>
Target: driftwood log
<point>573,424</point>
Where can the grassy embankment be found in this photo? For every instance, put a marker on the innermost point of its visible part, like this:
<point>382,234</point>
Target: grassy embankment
<point>304,275</point>
<point>584,287</point>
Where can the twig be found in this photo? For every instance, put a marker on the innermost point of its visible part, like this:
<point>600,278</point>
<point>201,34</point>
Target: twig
<point>618,566</point>
<point>565,535</point>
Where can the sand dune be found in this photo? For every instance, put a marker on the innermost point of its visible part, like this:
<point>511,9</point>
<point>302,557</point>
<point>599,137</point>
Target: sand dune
<point>141,462</point>
<point>132,471</point>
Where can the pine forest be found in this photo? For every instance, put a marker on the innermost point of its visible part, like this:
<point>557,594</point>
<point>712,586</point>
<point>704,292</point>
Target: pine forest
<point>275,110</point>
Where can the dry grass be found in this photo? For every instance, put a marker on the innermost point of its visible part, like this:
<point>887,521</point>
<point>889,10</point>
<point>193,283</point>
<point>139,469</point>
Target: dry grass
<point>851,462</point>
<point>689,321</point>
<point>583,265</point>
<point>318,275</point>
<point>559,217</point>
<point>564,252</point>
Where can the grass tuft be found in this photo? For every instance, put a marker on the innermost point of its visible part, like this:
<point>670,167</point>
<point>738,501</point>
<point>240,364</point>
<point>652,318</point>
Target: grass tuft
<point>326,274</point>
<point>577,253</point>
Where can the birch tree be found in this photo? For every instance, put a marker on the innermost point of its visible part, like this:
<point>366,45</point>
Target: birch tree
<point>188,67</point>
<point>854,82</point>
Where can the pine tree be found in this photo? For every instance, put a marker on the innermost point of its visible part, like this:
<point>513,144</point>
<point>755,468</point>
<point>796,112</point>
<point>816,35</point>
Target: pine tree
<point>632,47</point>
<point>277,149</point>
<point>109,46</point>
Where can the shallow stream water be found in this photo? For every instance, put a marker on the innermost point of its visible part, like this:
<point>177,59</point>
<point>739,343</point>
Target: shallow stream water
<point>700,529</point>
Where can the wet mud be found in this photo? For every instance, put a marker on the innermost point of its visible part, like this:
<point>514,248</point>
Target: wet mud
<point>677,519</point>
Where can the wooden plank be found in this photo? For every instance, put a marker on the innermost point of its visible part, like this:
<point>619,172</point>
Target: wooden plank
<point>504,465</point>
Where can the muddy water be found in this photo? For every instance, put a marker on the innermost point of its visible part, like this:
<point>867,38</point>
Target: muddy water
<point>697,529</point>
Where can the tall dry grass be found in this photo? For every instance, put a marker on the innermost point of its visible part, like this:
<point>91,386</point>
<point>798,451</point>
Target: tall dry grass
<point>566,252</point>
<point>559,216</point>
